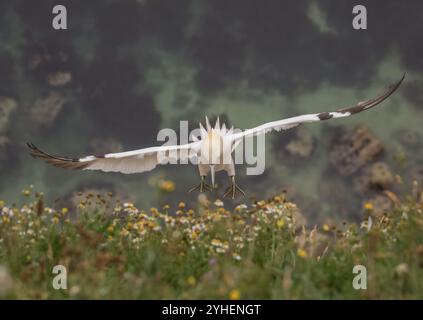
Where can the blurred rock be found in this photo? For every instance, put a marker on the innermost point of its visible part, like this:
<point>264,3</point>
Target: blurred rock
<point>7,106</point>
<point>301,145</point>
<point>354,150</point>
<point>46,110</point>
<point>46,55</point>
<point>59,79</point>
<point>377,176</point>
<point>381,175</point>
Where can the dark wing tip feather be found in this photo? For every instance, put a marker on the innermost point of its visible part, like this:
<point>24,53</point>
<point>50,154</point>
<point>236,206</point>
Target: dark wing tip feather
<point>373,102</point>
<point>62,162</point>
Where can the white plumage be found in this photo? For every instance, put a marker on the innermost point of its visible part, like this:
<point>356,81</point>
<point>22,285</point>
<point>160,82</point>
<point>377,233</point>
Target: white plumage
<point>212,152</point>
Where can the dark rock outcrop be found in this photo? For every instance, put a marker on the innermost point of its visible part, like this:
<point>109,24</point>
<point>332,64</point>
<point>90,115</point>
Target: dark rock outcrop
<point>354,150</point>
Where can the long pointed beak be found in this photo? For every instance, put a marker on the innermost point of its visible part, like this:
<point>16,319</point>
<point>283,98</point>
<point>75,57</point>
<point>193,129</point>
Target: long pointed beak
<point>212,175</point>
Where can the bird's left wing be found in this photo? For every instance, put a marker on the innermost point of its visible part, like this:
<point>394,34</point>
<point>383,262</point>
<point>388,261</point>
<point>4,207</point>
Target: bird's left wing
<point>289,123</point>
<point>125,162</point>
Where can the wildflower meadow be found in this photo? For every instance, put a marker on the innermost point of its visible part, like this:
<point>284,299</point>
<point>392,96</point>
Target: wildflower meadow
<point>263,250</point>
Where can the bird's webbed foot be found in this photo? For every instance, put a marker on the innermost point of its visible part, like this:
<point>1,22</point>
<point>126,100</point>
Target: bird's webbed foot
<point>233,190</point>
<point>202,187</point>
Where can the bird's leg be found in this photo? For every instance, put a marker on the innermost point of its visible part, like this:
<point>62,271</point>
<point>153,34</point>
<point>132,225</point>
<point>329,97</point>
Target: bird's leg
<point>203,186</point>
<point>232,189</point>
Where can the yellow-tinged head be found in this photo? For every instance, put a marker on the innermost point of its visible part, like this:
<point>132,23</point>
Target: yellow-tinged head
<point>214,145</point>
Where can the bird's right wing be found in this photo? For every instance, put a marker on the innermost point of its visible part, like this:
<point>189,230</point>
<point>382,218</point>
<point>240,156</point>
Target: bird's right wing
<point>125,162</point>
<point>293,122</point>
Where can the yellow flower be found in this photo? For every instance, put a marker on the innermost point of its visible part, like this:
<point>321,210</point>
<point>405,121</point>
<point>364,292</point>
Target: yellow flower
<point>326,227</point>
<point>191,280</point>
<point>278,199</point>
<point>124,232</point>
<point>2,204</point>
<point>154,211</point>
<point>216,242</point>
<point>194,235</point>
<point>26,193</point>
<point>167,186</point>
<point>181,205</point>
<point>234,294</point>
<point>129,205</point>
<point>111,228</point>
<point>368,206</point>
<point>65,211</point>
<point>55,220</point>
<point>302,253</point>
<point>261,203</point>
<point>280,223</point>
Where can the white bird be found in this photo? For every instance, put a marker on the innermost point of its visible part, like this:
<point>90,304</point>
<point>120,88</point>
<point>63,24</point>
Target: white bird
<point>212,153</point>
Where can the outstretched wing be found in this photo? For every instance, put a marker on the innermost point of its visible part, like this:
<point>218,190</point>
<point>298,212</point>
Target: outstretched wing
<point>296,121</point>
<point>125,162</point>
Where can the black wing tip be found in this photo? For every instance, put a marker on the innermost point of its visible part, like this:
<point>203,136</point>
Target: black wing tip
<point>67,163</point>
<point>400,81</point>
<point>394,87</point>
<point>373,102</point>
<point>33,149</point>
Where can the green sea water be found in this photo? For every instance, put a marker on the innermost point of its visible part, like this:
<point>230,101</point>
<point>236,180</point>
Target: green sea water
<point>139,66</point>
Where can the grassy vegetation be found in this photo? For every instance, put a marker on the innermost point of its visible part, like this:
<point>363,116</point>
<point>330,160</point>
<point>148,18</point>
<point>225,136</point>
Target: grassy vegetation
<point>114,250</point>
